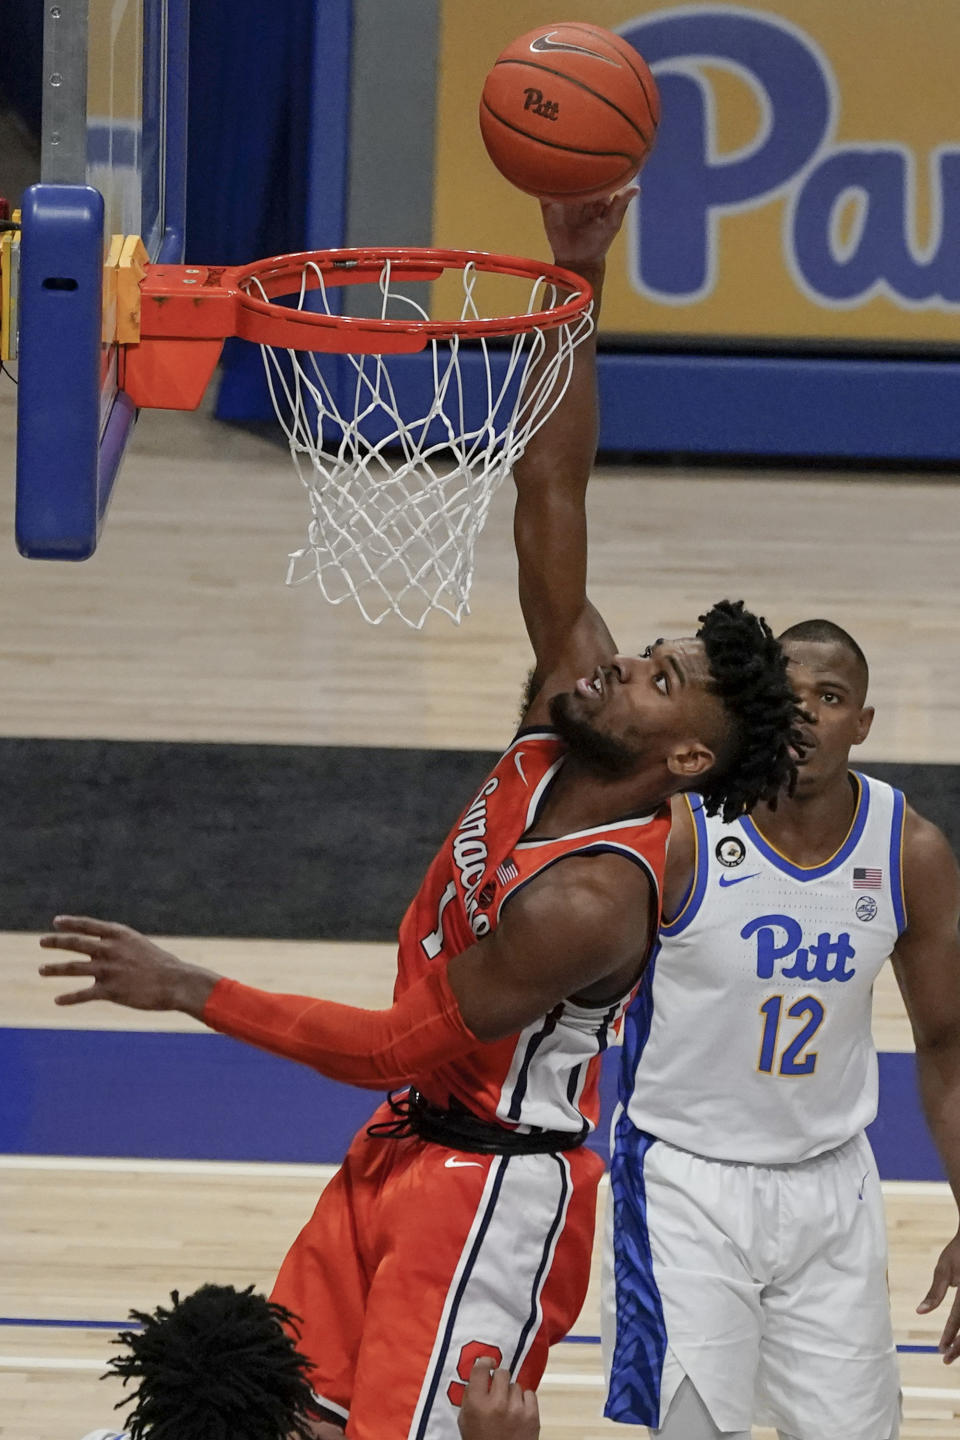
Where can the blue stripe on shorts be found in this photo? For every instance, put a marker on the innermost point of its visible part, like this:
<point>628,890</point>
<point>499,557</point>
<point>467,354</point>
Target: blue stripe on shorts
<point>641,1339</point>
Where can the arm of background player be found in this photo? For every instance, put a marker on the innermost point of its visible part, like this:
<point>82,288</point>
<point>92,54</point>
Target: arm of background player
<point>926,961</point>
<point>555,939</point>
<point>550,523</point>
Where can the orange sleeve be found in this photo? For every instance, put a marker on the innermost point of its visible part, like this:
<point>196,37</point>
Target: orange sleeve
<point>376,1049</point>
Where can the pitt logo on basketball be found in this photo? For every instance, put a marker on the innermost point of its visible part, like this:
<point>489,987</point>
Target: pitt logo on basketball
<point>470,857</point>
<point>549,109</point>
<point>779,937</point>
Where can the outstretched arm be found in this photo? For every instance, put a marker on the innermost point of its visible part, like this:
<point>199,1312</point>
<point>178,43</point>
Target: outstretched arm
<point>926,962</point>
<point>558,937</point>
<point>550,525</point>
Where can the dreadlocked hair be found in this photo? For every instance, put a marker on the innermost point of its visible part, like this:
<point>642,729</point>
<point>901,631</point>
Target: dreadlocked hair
<point>748,673</point>
<point>215,1366</point>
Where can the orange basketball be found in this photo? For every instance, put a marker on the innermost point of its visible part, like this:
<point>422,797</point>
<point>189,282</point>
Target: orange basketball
<point>569,112</point>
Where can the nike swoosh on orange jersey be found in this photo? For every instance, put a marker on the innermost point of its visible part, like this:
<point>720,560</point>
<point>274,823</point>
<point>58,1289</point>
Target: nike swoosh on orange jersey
<point>452,1164</point>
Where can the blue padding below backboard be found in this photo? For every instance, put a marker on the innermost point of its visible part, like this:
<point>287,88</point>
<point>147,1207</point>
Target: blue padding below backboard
<point>58,400</point>
<point>845,408</point>
<point>201,1096</point>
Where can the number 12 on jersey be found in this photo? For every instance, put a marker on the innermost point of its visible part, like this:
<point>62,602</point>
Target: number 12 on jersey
<point>795,1059</point>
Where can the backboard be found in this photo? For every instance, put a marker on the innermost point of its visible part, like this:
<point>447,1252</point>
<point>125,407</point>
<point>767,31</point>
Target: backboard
<point>113,164</point>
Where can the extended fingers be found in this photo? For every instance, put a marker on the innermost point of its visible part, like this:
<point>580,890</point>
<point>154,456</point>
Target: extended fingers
<point>67,967</point>
<point>79,997</point>
<point>82,944</point>
<point>75,967</point>
<point>950,1339</point>
<point>87,925</point>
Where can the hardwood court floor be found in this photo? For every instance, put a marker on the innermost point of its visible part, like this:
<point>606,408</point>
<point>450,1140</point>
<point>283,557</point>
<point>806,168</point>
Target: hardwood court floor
<point>142,1228</point>
<point>88,1240</point>
<point>181,627</point>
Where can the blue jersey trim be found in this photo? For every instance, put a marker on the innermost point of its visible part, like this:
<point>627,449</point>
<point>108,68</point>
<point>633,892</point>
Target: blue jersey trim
<point>701,867</point>
<point>636,1029</point>
<point>816,872</point>
<point>896,861</point>
<point>641,1333</point>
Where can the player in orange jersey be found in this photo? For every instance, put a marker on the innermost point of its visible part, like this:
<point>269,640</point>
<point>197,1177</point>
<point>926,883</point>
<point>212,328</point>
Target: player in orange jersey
<point>460,1223</point>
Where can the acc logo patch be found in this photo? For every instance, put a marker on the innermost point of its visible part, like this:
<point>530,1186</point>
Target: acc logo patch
<point>866,907</point>
<point>730,851</point>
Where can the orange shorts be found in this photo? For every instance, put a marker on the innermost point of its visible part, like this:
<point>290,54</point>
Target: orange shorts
<point>418,1259</point>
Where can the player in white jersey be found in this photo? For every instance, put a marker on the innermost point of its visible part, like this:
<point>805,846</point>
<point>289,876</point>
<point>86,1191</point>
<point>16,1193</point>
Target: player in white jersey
<point>746,1278</point>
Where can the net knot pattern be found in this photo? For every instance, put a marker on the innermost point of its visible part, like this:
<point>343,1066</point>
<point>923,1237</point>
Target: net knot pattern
<point>398,497</point>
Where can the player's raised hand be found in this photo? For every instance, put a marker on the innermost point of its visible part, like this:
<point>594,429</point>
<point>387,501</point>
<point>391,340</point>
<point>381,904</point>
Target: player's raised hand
<point>946,1274</point>
<point>125,967</point>
<point>581,232</point>
<point>494,1408</point>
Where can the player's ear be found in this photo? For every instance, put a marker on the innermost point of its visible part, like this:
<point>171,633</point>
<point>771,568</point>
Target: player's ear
<point>690,759</point>
<point>864,722</point>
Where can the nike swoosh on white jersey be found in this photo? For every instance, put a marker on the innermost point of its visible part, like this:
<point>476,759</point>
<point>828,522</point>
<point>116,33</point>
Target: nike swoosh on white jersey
<point>727,880</point>
<point>452,1164</point>
<point>543,44</point>
<point>516,760</point>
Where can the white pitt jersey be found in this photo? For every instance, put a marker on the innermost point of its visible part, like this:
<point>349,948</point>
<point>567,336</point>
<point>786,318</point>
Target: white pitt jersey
<point>750,1038</point>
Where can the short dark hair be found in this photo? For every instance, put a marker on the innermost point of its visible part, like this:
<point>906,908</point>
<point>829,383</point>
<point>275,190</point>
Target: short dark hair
<point>748,673</point>
<point>824,632</point>
<point>217,1365</point>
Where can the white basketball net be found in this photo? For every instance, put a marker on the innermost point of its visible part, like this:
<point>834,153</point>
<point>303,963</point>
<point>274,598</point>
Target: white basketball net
<point>395,518</point>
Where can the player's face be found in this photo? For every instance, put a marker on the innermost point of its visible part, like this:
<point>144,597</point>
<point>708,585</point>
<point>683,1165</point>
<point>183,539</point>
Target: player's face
<point>830,686</point>
<point>644,708</point>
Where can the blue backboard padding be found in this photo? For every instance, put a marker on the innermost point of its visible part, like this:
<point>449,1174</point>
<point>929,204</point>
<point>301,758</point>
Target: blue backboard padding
<point>192,1097</point>
<point>715,405</point>
<point>58,400</point>
<point>72,431</point>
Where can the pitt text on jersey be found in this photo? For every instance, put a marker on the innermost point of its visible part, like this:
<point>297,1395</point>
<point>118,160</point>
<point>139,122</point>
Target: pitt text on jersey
<point>780,937</point>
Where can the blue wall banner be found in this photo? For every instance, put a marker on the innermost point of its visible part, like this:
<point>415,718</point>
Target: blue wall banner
<point>805,185</point>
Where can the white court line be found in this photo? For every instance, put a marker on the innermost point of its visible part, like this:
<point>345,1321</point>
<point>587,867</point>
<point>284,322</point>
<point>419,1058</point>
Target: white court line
<point>559,1380</point>
<point>113,1166</point>
<point>917,1189</point>
<point>44,1362</point>
<point>556,1381</point>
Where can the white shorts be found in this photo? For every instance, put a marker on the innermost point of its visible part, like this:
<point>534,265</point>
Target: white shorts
<point>766,1285</point>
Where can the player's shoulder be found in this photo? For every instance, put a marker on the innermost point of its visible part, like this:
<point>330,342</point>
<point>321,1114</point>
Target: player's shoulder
<point>604,891</point>
<point>924,843</point>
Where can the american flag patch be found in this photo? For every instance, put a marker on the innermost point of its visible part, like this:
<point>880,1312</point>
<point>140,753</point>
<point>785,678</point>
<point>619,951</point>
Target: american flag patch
<point>867,879</point>
<point>506,872</point>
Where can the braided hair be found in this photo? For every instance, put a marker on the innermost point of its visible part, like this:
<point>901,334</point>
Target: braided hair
<point>215,1366</point>
<point>748,673</point>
